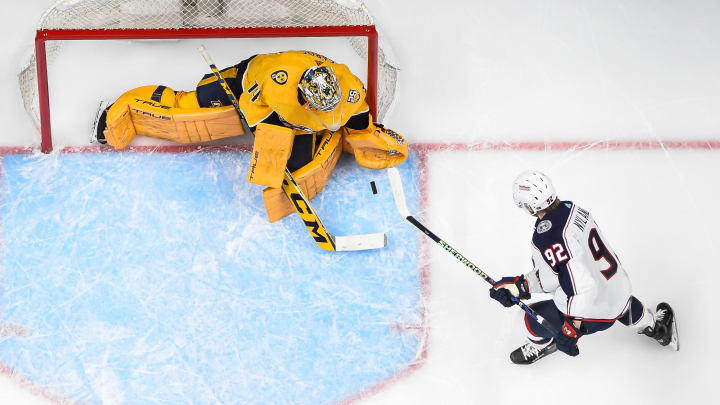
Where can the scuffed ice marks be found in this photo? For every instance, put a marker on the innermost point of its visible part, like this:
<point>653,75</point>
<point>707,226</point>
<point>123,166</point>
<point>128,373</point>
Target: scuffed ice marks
<point>156,278</point>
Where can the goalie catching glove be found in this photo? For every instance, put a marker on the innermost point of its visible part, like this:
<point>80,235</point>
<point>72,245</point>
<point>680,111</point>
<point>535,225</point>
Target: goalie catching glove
<point>376,147</point>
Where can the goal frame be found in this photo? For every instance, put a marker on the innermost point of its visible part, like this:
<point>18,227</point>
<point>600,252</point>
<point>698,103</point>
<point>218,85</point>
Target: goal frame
<point>44,35</point>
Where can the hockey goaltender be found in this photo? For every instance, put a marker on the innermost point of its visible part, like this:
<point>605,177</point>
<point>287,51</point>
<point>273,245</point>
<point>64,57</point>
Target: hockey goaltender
<point>303,109</point>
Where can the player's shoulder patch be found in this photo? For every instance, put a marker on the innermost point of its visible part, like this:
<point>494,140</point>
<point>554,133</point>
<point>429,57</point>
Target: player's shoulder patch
<point>353,96</point>
<point>543,226</point>
<point>279,77</point>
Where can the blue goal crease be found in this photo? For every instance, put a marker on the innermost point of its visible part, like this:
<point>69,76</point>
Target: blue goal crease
<point>156,278</point>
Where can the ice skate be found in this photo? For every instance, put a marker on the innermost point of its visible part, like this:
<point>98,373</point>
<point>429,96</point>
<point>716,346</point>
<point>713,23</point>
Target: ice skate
<point>532,352</point>
<point>99,123</point>
<point>665,329</point>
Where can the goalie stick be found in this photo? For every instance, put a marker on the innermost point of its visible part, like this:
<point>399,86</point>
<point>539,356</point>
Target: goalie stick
<point>401,205</point>
<point>300,202</point>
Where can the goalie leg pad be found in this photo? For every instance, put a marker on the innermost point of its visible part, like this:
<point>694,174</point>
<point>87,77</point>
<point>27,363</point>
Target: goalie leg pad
<point>311,178</point>
<point>160,112</point>
<point>376,147</point>
<point>271,151</point>
<point>119,128</point>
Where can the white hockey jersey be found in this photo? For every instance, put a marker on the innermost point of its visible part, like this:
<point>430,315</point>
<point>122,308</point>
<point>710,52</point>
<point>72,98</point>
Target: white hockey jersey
<point>573,261</point>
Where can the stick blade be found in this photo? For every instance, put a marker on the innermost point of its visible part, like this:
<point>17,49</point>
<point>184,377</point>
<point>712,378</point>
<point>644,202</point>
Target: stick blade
<point>360,242</point>
<point>397,190</point>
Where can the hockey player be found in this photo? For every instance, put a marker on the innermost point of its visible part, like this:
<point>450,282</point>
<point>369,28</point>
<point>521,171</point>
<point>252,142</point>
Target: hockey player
<point>573,262</point>
<point>303,108</point>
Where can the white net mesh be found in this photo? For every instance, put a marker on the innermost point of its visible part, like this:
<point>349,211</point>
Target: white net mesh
<point>178,14</point>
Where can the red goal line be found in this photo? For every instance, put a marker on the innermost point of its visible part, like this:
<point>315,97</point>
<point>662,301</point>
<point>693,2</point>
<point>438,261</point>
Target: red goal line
<point>423,147</point>
<point>538,146</point>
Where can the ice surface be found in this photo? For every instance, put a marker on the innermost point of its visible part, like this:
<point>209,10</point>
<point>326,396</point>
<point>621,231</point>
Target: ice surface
<point>617,101</point>
<point>145,277</point>
<point>665,251</point>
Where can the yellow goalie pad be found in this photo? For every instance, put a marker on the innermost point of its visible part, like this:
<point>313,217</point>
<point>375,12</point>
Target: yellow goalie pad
<point>311,178</point>
<point>176,117</point>
<point>376,147</point>
<point>271,151</point>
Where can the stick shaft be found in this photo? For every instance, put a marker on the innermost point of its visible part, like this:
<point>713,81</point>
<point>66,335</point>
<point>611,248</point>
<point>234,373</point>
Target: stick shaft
<point>399,196</point>
<point>542,321</point>
<point>300,203</point>
<point>323,238</point>
<point>223,83</point>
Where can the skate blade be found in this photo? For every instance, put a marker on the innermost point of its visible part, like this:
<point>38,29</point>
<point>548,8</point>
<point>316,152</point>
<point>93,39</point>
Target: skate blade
<point>101,107</point>
<point>674,339</point>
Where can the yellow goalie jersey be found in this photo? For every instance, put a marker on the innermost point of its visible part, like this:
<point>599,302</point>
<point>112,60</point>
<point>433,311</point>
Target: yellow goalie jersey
<point>303,109</point>
<point>270,84</point>
<point>278,101</point>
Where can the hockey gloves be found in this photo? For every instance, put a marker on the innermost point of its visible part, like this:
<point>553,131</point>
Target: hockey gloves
<point>375,147</point>
<point>507,287</point>
<point>567,340</point>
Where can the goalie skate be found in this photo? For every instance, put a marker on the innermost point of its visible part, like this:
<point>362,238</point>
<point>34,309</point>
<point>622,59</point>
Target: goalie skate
<point>665,330</point>
<point>99,123</point>
<point>531,352</point>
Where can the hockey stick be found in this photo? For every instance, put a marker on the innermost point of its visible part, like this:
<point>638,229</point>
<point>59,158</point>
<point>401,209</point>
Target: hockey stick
<point>401,205</point>
<point>320,234</point>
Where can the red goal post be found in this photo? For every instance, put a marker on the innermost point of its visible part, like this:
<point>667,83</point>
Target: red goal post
<point>33,79</point>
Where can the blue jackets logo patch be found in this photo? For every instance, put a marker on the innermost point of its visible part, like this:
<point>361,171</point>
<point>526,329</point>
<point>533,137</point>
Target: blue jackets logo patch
<point>544,226</point>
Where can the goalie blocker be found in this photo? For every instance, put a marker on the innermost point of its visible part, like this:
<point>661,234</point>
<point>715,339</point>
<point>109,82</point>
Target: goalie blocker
<point>161,112</point>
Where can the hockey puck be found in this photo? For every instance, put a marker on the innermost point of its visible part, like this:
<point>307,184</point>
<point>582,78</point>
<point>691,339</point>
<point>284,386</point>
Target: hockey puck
<point>374,189</point>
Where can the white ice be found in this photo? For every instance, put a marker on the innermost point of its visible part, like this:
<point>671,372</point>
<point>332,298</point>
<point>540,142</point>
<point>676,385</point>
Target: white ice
<point>494,72</point>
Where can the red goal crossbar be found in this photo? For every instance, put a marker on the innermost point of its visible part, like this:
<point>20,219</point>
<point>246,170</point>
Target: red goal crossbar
<point>42,36</point>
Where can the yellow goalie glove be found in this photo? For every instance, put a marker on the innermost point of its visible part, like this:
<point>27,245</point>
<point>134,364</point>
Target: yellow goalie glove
<point>375,147</point>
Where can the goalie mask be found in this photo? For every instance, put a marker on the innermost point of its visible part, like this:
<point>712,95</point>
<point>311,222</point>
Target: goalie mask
<point>320,88</point>
<point>533,191</point>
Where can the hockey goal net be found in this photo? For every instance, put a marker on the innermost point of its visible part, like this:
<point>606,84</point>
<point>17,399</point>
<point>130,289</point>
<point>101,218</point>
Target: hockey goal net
<point>190,19</point>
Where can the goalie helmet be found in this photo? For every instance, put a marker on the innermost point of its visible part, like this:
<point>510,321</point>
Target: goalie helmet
<point>320,88</point>
<point>533,191</point>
